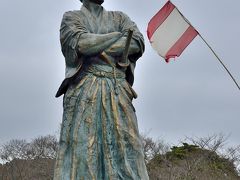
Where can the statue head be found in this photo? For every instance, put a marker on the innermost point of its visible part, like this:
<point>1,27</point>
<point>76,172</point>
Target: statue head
<point>95,1</point>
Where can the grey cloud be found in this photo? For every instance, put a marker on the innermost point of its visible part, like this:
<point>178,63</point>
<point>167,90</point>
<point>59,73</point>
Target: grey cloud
<point>190,96</point>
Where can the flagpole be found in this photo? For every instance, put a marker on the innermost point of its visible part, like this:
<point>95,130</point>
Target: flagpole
<point>215,54</point>
<point>168,8</point>
<point>220,61</point>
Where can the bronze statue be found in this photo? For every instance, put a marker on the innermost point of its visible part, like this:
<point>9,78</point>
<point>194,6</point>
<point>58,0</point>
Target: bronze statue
<point>99,136</point>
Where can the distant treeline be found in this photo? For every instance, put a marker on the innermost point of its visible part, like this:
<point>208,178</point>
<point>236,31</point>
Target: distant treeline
<point>195,159</point>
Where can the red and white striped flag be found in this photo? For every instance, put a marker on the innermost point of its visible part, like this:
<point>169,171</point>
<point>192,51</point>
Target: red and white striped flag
<point>169,32</point>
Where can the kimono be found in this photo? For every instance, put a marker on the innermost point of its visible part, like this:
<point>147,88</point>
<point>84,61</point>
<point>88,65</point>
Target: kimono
<point>99,137</point>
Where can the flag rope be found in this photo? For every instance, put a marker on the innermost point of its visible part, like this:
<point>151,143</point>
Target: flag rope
<point>220,61</point>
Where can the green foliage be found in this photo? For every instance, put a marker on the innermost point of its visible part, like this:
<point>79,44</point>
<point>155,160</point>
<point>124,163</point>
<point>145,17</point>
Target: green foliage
<point>181,151</point>
<point>190,162</point>
<point>219,163</point>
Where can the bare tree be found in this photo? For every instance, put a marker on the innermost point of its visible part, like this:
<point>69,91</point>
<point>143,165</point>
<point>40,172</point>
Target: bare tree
<point>40,147</point>
<point>14,149</point>
<point>217,143</point>
<point>213,142</point>
<point>152,148</point>
<point>44,147</point>
<point>22,157</point>
<point>197,158</point>
<point>233,154</point>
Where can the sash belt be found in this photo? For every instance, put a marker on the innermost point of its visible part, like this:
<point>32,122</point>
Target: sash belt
<point>101,73</point>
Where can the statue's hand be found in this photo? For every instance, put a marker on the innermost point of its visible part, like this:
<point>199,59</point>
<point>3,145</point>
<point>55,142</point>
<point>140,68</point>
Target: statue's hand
<point>117,48</point>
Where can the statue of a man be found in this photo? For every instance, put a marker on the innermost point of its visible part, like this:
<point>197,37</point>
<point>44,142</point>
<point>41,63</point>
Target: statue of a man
<point>99,136</point>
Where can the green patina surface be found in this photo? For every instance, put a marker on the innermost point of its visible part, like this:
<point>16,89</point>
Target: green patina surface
<point>99,135</point>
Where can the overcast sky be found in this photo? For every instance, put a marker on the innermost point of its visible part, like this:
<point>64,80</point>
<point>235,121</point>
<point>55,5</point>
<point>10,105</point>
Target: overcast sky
<point>191,96</point>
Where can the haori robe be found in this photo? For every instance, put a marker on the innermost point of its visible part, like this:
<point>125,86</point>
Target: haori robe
<point>99,137</point>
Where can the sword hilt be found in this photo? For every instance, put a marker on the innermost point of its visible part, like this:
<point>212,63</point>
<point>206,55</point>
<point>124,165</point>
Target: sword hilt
<point>124,62</point>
